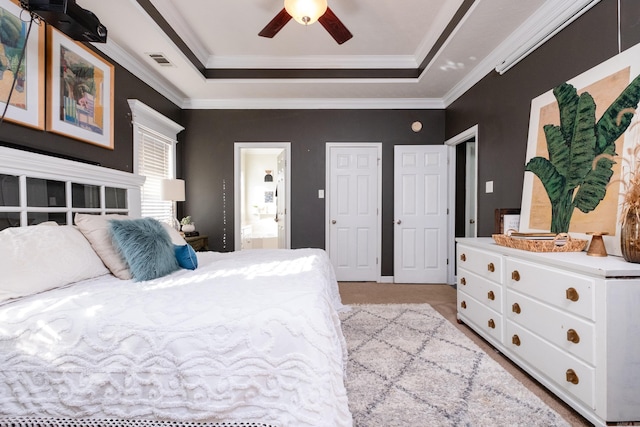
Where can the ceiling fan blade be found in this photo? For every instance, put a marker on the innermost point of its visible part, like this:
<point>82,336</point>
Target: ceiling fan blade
<point>276,24</point>
<point>335,27</point>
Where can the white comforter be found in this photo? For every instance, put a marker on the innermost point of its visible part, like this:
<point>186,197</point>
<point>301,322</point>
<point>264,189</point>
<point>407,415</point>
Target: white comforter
<point>250,336</point>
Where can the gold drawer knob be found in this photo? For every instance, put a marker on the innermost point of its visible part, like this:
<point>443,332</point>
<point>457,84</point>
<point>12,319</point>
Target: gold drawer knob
<point>463,281</point>
<point>491,267</point>
<point>572,377</point>
<point>573,336</point>
<point>491,295</point>
<point>515,275</point>
<point>572,294</point>
<point>491,324</point>
<point>463,257</point>
<point>515,308</point>
<point>463,304</point>
<point>515,340</point>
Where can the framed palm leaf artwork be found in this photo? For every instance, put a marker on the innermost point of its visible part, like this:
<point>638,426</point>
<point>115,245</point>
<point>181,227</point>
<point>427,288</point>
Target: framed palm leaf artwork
<point>581,150</point>
<point>79,91</point>
<point>21,66</point>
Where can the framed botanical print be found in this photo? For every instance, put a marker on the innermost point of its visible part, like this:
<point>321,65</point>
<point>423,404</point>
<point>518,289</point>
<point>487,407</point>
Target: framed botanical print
<point>23,79</point>
<point>79,91</point>
<point>593,192</point>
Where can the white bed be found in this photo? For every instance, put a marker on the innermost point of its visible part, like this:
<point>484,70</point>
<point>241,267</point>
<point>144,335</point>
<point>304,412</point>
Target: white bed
<point>248,337</point>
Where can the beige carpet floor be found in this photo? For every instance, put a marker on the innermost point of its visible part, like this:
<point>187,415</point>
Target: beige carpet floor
<point>443,299</point>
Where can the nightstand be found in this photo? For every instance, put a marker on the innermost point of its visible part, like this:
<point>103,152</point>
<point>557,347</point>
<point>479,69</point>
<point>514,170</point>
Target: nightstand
<point>198,243</point>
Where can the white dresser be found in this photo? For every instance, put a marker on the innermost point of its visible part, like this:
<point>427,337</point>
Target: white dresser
<point>570,320</point>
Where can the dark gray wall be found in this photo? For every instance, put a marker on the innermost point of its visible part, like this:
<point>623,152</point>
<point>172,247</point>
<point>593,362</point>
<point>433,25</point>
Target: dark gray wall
<point>500,104</point>
<point>208,162</point>
<point>121,157</point>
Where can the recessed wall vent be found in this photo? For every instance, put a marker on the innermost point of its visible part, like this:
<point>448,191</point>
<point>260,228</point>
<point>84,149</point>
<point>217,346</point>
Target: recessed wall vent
<point>160,59</point>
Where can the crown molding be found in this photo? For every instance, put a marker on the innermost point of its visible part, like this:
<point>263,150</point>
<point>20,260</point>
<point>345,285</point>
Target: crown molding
<point>441,22</point>
<point>546,22</point>
<point>314,104</point>
<point>185,30</point>
<point>313,61</point>
<point>141,70</point>
<point>552,17</point>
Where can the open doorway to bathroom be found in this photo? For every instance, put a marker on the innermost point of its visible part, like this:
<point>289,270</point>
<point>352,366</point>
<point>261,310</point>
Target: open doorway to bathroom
<point>262,174</point>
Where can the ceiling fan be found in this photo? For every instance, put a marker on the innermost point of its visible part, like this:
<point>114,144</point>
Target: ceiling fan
<point>307,12</point>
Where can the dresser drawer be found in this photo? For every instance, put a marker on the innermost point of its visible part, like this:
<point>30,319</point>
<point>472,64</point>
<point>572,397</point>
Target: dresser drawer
<point>568,372</point>
<point>562,289</point>
<point>484,264</point>
<point>484,290</point>
<point>480,315</point>
<point>570,333</point>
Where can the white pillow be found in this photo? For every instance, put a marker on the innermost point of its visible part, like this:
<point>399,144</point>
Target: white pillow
<point>96,229</point>
<point>176,237</point>
<point>34,259</point>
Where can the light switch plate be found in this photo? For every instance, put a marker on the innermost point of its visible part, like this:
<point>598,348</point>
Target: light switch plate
<point>320,194</point>
<point>489,187</point>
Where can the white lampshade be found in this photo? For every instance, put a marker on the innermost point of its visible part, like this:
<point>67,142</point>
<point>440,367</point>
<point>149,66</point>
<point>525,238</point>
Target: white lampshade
<point>172,189</point>
<point>305,12</point>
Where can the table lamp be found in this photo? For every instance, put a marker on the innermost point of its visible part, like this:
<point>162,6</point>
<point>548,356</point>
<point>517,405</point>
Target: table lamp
<point>172,189</point>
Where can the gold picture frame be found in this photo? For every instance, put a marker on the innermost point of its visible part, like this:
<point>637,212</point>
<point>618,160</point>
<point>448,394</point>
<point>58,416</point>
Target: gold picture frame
<point>26,106</point>
<point>80,86</point>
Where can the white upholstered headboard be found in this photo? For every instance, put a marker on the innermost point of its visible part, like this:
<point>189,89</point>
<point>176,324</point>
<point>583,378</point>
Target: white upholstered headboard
<point>20,168</point>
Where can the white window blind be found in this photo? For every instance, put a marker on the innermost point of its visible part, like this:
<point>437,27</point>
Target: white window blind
<point>155,162</point>
<point>154,149</point>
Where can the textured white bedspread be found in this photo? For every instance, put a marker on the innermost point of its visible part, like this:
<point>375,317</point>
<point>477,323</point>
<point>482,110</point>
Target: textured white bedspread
<point>248,336</point>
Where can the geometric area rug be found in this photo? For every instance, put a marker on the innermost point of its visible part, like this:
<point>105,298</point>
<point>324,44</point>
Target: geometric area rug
<point>410,367</point>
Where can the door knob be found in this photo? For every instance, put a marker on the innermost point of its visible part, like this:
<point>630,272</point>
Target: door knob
<point>399,222</point>
<point>472,221</point>
<point>333,221</point>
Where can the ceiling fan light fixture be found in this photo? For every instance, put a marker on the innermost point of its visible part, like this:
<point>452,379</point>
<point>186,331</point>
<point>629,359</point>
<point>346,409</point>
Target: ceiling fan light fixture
<point>306,12</point>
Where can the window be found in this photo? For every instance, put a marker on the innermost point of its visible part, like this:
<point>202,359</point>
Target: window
<point>154,157</point>
<point>156,161</point>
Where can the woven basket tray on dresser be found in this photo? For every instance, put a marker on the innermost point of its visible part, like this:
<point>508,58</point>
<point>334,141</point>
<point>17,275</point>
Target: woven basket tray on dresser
<point>561,243</point>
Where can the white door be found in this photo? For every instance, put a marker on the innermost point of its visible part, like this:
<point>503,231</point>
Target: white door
<point>281,204</point>
<point>420,214</point>
<point>352,212</point>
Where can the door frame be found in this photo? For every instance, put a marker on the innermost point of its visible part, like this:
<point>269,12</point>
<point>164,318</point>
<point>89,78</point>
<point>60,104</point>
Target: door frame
<point>237,169</point>
<point>470,198</point>
<point>327,226</point>
<point>463,136</point>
